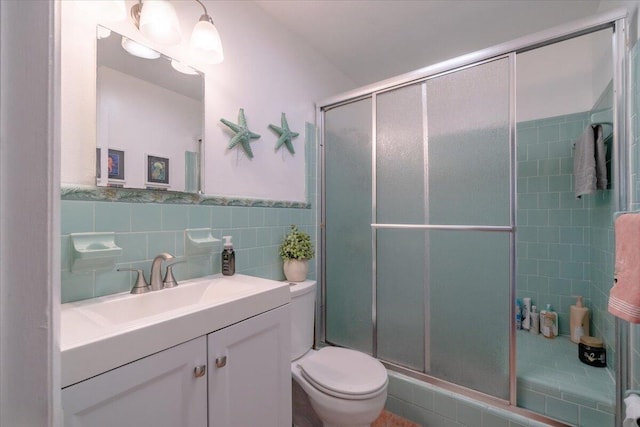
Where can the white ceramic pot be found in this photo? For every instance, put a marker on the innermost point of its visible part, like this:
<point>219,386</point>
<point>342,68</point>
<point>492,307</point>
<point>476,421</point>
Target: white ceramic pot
<point>295,270</point>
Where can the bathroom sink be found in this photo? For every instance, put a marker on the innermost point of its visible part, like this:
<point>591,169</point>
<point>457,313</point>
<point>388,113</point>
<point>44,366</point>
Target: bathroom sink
<point>103,333</point>
<point>131,308</point>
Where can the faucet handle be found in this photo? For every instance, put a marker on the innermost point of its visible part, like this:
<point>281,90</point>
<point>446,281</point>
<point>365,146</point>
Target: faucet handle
<point>141,285</point>
<point>169,279</point>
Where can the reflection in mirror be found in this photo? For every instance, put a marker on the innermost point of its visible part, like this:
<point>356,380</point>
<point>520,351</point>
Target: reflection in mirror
<point>149,118</point>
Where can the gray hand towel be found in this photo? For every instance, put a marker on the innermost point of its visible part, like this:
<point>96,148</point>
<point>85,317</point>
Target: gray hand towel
<point>601,159</point>
<point>584,164</point>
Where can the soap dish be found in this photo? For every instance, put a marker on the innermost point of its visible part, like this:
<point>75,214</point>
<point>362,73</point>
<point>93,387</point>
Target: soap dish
<point>94,251</point>
<point>200,241</point>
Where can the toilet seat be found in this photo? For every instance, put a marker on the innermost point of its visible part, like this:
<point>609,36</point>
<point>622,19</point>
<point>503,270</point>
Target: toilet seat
<point>344,373</point>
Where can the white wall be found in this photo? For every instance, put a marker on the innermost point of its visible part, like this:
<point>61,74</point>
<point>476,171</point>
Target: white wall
<point>29,217</point>
<point>267,71</point>
<point>563,78</point>
<point>176,127</point>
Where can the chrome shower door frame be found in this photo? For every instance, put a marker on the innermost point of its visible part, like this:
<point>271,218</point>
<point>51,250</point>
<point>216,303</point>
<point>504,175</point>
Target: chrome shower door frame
<point>616,20</point>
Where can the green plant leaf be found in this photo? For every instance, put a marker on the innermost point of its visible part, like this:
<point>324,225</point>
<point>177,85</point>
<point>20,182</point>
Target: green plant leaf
<point>296,245</point>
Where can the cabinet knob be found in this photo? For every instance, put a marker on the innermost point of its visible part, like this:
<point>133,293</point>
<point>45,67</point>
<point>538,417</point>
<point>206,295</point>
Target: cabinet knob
<point>221,361</point>
<point>199,371</point>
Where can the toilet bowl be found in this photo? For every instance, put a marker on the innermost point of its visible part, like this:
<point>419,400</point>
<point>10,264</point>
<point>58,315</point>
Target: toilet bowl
<point>346,388</point>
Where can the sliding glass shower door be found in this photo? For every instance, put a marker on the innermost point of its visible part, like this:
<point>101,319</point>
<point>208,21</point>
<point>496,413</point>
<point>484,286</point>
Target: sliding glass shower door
<point>347,208</point>
<point>419,226</point>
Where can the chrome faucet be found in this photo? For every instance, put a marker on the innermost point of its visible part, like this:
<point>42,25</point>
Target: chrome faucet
<point>155,284</point>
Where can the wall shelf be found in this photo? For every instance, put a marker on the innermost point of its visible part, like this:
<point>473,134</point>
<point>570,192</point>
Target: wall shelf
<point>94,251</point>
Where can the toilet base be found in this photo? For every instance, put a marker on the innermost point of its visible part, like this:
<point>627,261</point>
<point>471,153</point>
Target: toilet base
<point>337,413</point>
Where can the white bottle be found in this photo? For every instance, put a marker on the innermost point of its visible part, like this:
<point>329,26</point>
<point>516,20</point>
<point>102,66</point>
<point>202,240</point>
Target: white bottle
<point>526,313</point>
<point>535,320</point>
<point>578,320</point>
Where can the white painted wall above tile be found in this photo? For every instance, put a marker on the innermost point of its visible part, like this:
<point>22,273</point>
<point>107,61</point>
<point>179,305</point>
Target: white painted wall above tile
<point>267,71</point>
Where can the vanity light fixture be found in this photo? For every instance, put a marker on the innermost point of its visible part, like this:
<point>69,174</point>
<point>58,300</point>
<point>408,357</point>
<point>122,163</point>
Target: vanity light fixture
<point>136,49</point>
<point>157,20</point>
<point>205,45</point>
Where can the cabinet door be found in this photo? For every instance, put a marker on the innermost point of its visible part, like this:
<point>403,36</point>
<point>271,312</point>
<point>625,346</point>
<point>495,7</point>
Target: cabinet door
<point>250,372</point>
<point>160,390</point>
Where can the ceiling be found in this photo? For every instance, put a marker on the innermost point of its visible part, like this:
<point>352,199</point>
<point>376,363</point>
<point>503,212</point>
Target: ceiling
<point>377,39</point>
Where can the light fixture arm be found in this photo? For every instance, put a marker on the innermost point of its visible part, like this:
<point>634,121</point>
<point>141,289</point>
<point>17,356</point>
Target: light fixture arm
<point>205,16</point>
<point>136,10</point>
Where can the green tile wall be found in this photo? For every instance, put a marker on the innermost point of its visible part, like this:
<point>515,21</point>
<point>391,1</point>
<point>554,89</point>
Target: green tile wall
<point>553,226</point>
<point>565,244</point>
<point>144,230</point>
<point>428,405</point>
<point>565,248</point>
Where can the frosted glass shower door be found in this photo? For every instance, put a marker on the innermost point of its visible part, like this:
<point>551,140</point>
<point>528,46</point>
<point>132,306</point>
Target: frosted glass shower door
<point>443,226</point>
<point>347,210</point>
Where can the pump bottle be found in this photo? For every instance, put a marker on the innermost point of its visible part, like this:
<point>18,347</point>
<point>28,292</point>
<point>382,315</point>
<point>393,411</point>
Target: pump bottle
<point>228,257</point>
<point>578,320</point>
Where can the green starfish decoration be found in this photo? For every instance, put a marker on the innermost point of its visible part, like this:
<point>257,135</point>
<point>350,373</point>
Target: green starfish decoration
<point>285,134</point>
<point>243,135</point>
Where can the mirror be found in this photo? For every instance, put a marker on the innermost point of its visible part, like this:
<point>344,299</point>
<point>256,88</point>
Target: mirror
<point>149,118</point>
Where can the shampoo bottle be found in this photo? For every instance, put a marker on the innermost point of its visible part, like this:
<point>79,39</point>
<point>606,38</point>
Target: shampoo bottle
<point>535,320</point>
<point>228,258</point>
<point>549,322</point>
<point>518,314</point>
<point>578,320</point>
<point>526,313</point>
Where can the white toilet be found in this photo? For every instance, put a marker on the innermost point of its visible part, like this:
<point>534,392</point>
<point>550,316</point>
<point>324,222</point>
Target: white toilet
<point>346,388</point>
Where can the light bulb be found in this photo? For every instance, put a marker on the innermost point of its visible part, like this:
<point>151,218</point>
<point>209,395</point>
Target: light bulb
<point>136,49</point>
<point>102,32</point>
<point>206,45</point>
<point>185,69</point>
<point>159,22</point>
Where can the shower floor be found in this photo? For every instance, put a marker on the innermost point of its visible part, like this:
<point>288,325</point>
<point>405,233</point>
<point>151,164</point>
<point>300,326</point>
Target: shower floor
<point>553,381</point>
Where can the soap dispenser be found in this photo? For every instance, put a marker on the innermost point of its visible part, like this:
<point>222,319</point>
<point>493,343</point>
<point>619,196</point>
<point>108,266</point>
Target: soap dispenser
<point>228,257</point>
<point>578,320</point>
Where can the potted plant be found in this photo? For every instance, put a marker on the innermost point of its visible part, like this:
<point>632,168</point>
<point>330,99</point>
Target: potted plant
<point>295,250</point>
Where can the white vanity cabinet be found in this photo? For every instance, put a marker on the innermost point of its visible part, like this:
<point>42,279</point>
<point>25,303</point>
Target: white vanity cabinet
<point>237,376</point>
<point>250,372</point>
<point>161,390</point>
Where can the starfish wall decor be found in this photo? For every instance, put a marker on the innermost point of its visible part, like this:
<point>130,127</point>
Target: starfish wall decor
<point>243,135</point>
<point>286,135</point>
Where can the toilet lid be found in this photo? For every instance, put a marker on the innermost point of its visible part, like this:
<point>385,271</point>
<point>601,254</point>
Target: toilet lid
<point>344,373</point>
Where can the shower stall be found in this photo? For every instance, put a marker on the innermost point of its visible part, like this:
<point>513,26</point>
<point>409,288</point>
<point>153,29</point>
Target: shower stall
<point>424,231</point>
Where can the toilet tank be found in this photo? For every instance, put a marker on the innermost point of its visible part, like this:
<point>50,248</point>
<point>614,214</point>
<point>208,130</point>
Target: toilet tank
<point>303,298</point>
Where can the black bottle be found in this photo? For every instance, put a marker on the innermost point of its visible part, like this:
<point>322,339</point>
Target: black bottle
<point>228,257</point>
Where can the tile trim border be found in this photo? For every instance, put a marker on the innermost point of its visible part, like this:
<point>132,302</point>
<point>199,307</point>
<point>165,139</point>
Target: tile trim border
<point>108,194</point>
